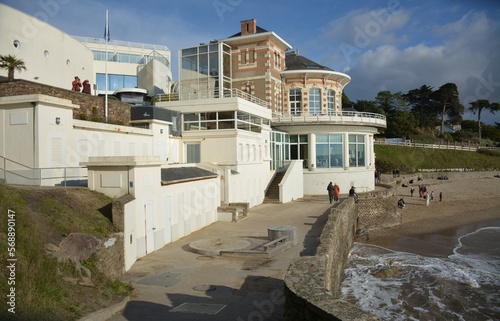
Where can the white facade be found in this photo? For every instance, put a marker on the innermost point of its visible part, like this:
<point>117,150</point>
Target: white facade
<point>54,58</point>
<point>159,214</point>
<point>44,50</point>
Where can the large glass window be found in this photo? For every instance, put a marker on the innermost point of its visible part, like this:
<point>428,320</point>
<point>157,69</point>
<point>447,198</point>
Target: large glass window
<point>295,97</point>
<point>299,149</point>
<point>329,151</point>
<point>330,98</point>
<point>357,149</point>
<point>314,101</point>
<point>115,82</point>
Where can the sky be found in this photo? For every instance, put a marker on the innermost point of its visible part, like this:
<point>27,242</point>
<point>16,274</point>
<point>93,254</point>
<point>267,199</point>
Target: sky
<point>394,45</point>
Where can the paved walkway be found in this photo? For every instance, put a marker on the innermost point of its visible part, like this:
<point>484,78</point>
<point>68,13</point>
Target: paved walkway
<point>176,284</point>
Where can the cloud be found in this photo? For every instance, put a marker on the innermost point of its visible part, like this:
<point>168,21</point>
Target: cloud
<point>467,54</point>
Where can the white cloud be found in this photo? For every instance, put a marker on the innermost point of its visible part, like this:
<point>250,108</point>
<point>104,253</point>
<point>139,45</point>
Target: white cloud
<point>467,54</point>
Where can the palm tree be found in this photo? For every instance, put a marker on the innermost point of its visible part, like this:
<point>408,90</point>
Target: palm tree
<point>11,64</point>
<point>480,104</point>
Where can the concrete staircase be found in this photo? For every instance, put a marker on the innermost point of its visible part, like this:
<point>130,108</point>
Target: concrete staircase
<point>273,192</point>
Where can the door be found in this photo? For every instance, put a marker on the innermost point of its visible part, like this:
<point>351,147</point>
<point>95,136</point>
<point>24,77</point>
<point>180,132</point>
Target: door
<point>149,227</point>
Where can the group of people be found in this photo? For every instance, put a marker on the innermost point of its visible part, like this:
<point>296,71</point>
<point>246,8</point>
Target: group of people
<point>334,191</point>
<point>77,85</point>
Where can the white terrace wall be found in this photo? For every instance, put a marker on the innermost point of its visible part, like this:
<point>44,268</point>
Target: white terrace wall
<point>156,214</point>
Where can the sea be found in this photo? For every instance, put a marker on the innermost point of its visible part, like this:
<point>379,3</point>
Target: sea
<point>449,275</point>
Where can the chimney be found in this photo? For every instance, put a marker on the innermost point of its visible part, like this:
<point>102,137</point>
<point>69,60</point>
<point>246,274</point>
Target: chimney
<point>248,27</point>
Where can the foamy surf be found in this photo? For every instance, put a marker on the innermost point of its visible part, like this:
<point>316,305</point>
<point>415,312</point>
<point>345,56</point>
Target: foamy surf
<point>404,286</point>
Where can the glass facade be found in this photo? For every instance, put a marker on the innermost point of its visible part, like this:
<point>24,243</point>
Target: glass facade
<point>222,120</point>
<point>329,151</point>
<point>205,70</point>
<point>115,82</point>
<point>357,157</point>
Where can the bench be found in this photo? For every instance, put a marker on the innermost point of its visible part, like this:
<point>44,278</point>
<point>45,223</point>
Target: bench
<point>274,243</point>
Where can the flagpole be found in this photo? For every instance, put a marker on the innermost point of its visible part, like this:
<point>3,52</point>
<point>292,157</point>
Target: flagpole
<point>106,37</point>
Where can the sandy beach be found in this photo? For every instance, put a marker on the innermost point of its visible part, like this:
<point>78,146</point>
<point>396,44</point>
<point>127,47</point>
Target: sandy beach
<point>468,198</point>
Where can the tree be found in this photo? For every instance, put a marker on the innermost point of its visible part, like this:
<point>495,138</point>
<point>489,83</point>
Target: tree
<point>480,104</point>
<point>11,64</point>
<point>423,105</point>
<point>447,97</point>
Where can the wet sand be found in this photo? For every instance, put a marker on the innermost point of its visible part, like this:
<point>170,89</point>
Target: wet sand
<point>470,200</point>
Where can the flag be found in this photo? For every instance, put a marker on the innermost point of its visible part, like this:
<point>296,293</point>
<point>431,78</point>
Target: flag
<point>106,28</point>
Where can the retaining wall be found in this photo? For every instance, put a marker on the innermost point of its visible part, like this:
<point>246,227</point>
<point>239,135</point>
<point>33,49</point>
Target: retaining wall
<point>91,107</point>
<point>312,284</point>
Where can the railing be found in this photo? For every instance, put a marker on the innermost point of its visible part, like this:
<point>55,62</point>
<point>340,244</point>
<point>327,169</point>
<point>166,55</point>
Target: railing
<point>453,146</point>
<point>212,94</point>
<point>347,117</point>
<point>16,173</point>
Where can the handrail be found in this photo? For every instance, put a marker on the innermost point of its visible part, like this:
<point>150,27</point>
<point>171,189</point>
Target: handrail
<point>435,146</point>
<point>211,94</point>
<point>37,174</point>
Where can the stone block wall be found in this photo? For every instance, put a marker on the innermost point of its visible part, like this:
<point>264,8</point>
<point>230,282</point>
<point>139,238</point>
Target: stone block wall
<point>92,108</point>
<point>110,256</point>
<point>378,209</point>
<point>312,284</point>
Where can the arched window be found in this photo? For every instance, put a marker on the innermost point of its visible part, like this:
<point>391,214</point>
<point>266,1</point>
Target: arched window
<point>314,101</point>
<point>295,97</point>
<point>330,97</point>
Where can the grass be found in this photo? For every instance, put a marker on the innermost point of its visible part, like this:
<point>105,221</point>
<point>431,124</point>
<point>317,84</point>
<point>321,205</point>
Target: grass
<point>411,159</point>
<point>45,216</point>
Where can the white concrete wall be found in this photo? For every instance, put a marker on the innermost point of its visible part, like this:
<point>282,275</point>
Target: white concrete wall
<point>315,182</point>
<point>292,184</point>
<point>51,56</point>
<point>193,205</point>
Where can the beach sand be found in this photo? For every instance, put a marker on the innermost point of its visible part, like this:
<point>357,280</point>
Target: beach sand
<point>469,199</point>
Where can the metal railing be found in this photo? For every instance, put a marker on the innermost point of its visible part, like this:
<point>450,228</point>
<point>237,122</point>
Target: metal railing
<point>212,94</point>
<point>342,117</point>
<point>450,146</point>
<point>16,173</point>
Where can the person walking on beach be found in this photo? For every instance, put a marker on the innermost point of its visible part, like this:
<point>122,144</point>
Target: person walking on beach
<point>329,188</point>
<point>426,197</point>
<point>432,195</point>
<point>412,190</point>
<point>336,192</point>
<point>440,196</point>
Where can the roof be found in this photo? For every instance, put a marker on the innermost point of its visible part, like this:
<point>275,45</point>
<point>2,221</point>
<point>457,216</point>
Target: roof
<point>184,174</point>
<point>294,61</point>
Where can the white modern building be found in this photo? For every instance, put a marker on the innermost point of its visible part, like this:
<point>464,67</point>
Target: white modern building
<point>250,116</point>
<point>54,58</point>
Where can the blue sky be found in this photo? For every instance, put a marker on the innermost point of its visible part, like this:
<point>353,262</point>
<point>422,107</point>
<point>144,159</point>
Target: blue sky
<point>394,45</point>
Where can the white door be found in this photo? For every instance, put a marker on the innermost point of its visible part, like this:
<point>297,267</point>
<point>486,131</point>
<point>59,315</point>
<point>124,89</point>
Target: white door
<point>149,227</point>
<point>167,228</point>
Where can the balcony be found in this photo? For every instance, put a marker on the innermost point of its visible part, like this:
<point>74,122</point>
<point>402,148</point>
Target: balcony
<point>212,94</point>
<point>339,118</point>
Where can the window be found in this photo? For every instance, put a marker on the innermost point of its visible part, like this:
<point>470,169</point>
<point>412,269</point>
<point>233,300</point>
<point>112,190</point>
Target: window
<point>329,151</point>
<point>192,153</point>
<point>295,102</point>
<point>356,150</point>
<point>314,101</point>
<point>115,81</point>
<point>330,97</point>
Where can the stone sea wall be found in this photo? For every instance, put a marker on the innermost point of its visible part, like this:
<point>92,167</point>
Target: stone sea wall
<point>312,284</point>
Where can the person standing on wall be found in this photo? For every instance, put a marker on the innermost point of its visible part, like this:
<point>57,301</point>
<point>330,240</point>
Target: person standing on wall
<point>76,84</point>
<point>86,87</point>
<point>329,188</point>
<point>336,192</point>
